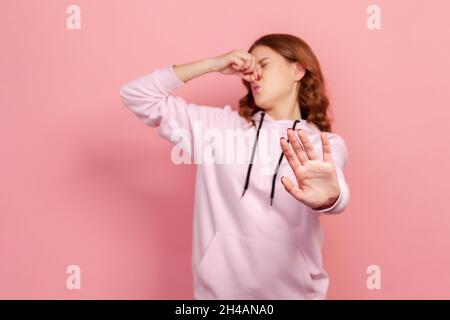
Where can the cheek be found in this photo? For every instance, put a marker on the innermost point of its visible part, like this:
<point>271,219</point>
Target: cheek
<point>276,84</point>
<point>284,85</point>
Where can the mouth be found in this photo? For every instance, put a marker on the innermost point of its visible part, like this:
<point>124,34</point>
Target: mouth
<point>256,88</point>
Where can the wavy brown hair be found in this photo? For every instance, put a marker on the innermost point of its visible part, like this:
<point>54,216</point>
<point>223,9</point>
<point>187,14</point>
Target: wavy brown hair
<point>312,98</point>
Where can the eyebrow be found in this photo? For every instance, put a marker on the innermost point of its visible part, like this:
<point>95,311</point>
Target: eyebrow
<point>263,59</point>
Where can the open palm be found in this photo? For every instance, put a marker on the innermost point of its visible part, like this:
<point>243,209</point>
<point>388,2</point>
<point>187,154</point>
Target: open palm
<point>317,180</point>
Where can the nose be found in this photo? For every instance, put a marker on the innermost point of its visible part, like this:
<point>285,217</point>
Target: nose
<point>258,72</point>
<point>257,75</point>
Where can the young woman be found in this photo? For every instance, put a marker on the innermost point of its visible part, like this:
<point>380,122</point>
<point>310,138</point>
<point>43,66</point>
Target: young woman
<point>256,235</point>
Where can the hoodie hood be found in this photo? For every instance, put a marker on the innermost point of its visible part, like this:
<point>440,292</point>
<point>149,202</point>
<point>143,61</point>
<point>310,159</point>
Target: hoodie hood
<point>306,126</point>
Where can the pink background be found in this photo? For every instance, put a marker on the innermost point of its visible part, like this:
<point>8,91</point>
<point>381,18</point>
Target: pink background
<point>84,182</point>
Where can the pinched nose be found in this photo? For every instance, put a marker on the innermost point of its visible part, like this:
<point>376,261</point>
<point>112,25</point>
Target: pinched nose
<point>256,77</point>
<point>258,73</point>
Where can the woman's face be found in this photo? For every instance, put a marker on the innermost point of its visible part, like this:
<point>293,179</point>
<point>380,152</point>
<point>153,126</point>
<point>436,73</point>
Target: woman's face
<point>278,78</point>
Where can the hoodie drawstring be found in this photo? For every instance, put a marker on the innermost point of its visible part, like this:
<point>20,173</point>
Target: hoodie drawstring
<point>247,179</point>
<point>278,166</point>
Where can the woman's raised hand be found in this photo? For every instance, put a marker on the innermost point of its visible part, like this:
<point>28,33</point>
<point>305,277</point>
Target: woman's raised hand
<point>238,62</point>
<point>317,180</point>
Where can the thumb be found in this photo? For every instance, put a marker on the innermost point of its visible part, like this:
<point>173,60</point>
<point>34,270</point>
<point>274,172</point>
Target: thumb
<point>290,187</point>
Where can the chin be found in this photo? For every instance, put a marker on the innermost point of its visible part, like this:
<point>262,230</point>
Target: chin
<point>260,103</point>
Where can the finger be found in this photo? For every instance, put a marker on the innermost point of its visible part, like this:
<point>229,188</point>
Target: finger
<point>248,77</point>
<point>290,187</point>
<point>326,147</point>
<point>250,71</point>
<point>290,156</point>
<point>307,145</point>
<point>298,149</point>
<point>244,53</point>
<point>247,64</point>
<point>245,71</point>
<point>235,67</point>
<point>251,68</point>
<point>254,69</point>
<point>245,57</point>
<point>237,63</point>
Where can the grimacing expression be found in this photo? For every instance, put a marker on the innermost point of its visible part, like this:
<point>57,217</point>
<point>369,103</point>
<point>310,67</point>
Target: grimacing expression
<point>279,77</point>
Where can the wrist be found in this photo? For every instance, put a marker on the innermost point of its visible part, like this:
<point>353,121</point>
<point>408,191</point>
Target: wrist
<point>331,202</point>
<point>208,65</point>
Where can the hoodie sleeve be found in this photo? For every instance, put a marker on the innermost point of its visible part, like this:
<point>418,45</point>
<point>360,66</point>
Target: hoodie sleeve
<point>149,98</point>
<point>340,156</point>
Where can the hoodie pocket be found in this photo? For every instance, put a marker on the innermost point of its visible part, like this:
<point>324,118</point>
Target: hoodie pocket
<point>239,267</point>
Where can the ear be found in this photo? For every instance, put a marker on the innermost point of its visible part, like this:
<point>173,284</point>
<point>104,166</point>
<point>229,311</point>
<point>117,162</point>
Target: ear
<point>299,71</point>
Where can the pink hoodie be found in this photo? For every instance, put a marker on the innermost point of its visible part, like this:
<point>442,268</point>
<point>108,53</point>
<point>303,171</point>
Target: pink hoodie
<point>263,244</point>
